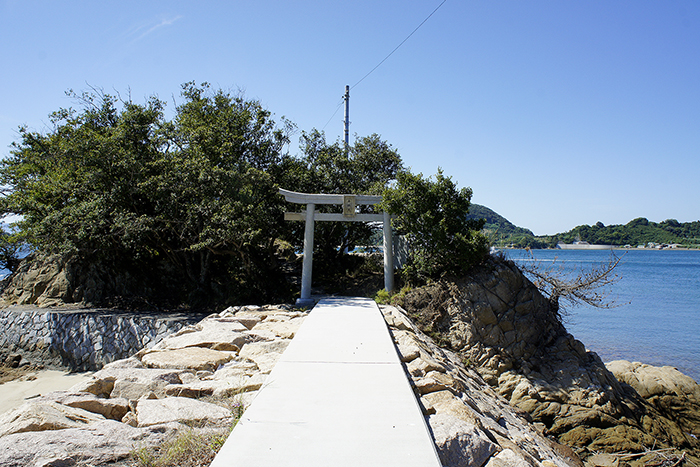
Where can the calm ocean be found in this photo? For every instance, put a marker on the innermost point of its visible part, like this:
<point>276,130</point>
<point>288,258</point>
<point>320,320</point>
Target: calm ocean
<point>658,320</point>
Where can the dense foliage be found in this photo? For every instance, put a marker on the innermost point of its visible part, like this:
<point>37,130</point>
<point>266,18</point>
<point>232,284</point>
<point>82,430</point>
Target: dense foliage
<point>187,210</point>
<point>188,207</point>
<point>433,216</point>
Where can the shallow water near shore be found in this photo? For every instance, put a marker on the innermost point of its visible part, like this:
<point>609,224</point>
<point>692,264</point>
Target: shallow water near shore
<point>658,318</point>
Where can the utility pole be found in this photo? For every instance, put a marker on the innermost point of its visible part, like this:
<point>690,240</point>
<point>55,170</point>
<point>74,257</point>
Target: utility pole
<point>346,121</point>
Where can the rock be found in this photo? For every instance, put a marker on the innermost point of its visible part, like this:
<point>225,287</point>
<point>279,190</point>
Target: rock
<point>44,415</point>
<point>125,363</point>
<point>264,354</point>
<point>13,361</point>
<point>446,402</point>
<point>114,408</point>
<point>100,443</point>
<point>192,390</point>
<point>130,419</point>
<point>602,460</point>
<point>248,321</point>
<point>218,388</point>
<point>509,458</point>
<point>285,329</point>
<point>460,443</point>
<point>180,409</point>
<point>673,394</point>
<point>469,422</point>
<point>424,365</point>
<point>434,381</point>
<point>41,281</point>
<point>651,381</point>
<point>214,333</point>
<point>191,358</point>
<point>408,353</point>
<point>131,383</point>
<point>234,369</point>
<point>502,326</point>
<point>96,386</point>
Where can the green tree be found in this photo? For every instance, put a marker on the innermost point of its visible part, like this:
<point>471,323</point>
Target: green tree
<point>218,208</point>
<point>186,208</point>
<point>10,250</point>
<point>433,216</point>
<point>77,188</point>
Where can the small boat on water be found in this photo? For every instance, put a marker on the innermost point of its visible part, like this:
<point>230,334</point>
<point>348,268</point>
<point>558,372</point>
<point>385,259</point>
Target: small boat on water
<point>583,246</point>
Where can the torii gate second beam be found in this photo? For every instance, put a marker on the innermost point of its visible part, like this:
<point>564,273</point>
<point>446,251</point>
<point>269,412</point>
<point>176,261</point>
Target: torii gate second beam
<point>349,203</point>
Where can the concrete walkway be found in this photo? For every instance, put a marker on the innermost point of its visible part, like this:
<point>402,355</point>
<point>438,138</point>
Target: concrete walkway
<point>337,397</point>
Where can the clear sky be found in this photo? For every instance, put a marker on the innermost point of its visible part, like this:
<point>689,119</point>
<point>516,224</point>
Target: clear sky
<point>555,113</point>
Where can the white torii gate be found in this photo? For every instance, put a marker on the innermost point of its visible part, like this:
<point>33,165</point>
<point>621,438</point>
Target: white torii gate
<point>349,214</point>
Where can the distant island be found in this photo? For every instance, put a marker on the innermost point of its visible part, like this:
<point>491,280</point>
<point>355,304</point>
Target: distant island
<point>637,233</point>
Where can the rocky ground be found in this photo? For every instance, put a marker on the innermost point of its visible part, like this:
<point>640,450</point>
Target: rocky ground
<point>499,379</point>
<point>203,377</point>
<point>504,329</point>
<point>197,380</point>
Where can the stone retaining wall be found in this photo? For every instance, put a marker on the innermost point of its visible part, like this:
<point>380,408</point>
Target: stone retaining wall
<point>83,340</point>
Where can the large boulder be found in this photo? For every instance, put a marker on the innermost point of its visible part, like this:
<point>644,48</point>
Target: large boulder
<point>42,281</point>
<point>459,442</point>
<point>45,415</point>
<point>99,443</point>
<point>265,354</point>
<point>114,408</point>
<point>672,393</point>
<point>279,326</point>
<point>49,280</point>
<point>216,334</point>
<point>650,381</point>
<point>129,383</point>
<point>180,409</point>
<point>188,358</point>
<point>471,425</point>
<point>503,327</point>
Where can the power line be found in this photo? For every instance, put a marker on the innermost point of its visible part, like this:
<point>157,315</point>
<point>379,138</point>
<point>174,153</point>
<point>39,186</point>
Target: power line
<point>402,42</point>
<point>384,60</point>
<point>336,111</point>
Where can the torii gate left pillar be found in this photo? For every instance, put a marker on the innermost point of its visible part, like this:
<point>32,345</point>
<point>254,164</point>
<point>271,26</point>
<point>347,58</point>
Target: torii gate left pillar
<point>349,214</point>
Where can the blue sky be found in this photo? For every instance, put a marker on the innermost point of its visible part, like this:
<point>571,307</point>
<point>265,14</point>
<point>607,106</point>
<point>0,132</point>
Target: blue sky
<point>555,113</point>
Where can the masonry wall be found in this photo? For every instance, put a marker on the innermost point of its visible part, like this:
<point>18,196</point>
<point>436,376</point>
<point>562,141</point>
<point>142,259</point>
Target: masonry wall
<point>83,340</point>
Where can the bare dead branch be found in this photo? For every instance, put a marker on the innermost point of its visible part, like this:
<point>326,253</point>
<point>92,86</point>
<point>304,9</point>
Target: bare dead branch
<point>566,288</point>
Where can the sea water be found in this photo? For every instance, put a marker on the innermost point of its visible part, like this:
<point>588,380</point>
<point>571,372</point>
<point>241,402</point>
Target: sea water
<point>657,317</point>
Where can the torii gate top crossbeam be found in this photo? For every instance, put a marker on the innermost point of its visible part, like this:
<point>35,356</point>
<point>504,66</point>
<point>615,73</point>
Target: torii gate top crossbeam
<point>315,198</point>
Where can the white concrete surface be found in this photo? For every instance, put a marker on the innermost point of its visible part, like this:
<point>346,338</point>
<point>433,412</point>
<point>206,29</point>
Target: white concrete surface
<point>337,397</point>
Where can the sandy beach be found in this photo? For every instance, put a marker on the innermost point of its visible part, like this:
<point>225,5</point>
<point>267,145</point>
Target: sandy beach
<point>14,393</point>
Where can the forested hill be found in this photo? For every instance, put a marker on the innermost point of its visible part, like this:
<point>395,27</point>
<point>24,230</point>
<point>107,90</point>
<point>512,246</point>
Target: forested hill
<point>640,231</point>
<point>497,227</point>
